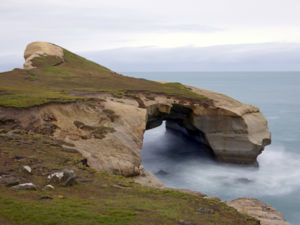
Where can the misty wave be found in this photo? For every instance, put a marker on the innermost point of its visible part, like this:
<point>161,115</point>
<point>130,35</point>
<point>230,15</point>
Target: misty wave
<point>183,163</point>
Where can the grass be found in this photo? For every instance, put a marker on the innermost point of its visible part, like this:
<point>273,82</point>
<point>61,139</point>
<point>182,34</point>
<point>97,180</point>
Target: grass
<point>53,81</point>
<point>99,198</point>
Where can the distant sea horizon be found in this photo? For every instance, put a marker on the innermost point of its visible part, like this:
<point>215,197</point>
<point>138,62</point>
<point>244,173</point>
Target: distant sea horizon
<point>276,180</point>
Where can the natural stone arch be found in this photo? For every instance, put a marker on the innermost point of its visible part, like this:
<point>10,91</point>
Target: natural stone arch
<point>109,131</point>
<point>177,117</point>
<point>114,143</point>
<point>235,135</point>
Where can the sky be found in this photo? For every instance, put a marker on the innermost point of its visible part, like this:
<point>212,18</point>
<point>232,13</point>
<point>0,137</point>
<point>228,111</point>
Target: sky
<point>158,35</point>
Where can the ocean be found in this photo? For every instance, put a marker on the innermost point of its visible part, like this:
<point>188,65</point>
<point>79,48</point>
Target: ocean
<point>179,163</point>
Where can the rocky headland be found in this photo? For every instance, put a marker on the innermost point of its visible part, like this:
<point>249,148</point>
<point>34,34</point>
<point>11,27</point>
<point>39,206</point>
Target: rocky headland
<point>102,115</point>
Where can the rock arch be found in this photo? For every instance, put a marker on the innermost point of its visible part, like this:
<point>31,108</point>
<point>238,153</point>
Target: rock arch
<point>110,133</point>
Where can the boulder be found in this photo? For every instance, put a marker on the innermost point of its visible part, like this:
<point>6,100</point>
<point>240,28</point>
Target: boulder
<point>26,169</point>
<point>66,177</point>
<point>48,187</point>
<point>9,180</point>
<point>25,186</point>
<point>261,211</point>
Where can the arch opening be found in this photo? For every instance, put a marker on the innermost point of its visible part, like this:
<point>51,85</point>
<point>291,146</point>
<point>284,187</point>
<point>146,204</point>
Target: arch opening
<point>177,119</point>
<point>171,140</point>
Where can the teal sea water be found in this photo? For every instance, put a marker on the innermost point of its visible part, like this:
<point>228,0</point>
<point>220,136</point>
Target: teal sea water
<point>178,162</point>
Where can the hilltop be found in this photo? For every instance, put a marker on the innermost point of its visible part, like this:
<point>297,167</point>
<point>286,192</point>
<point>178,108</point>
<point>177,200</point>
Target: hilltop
<point>57,78</point>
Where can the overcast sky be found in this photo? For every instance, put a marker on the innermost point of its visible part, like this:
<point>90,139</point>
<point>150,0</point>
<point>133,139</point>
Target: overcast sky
<point>240,33</point>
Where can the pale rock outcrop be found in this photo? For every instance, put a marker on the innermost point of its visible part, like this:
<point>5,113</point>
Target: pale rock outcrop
<point>150,180</point>
<point>66,177</point>
<point>48,187</point>
<point>25,186</point>
<point>40,49</point>
<point>26,169</point>
<point>261,211</point>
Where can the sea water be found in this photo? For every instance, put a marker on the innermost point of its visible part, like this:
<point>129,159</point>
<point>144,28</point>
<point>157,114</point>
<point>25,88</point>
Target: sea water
<point>179,163</point>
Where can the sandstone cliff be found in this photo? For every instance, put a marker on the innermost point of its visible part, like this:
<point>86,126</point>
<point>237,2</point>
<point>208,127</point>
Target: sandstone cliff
<point>104,115</point>
<point>108,130</point>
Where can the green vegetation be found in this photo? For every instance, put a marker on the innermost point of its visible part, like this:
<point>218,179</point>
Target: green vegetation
<point>54,81</point>
<point>99,198</point>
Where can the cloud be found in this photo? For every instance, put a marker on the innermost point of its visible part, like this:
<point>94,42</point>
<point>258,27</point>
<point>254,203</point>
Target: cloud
<point>245,57</point>
<point>98,24</point>
<point>90,25</point>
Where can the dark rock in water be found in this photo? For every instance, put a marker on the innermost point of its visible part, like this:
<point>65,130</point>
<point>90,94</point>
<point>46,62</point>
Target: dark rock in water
<point>66,177</point>
<point>161,173</point>
<point>9,180</point>
<point>244,180</point>
<point>25,186</point>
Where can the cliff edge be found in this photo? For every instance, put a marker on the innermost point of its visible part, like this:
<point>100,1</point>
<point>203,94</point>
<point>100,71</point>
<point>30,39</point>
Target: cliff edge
<point>104,114</point>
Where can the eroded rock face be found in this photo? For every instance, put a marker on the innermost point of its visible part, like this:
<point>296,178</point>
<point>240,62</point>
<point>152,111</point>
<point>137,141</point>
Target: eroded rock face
<point>109,133</point>
<point>236,132</point>
<point>262,211</point>
<point>35,50</point>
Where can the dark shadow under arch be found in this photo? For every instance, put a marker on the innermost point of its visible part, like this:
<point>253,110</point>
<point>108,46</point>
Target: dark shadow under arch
<point>179,121</point>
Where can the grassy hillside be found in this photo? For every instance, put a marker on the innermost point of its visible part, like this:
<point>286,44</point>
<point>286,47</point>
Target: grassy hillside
<point>98,198</point>
<point>47,83</point>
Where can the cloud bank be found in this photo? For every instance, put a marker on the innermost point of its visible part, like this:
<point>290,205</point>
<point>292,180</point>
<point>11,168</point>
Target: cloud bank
<point>247,57</point>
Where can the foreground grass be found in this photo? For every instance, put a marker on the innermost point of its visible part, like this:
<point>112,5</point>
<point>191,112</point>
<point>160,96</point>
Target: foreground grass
<point>24,88</point>
<point>99,198</point>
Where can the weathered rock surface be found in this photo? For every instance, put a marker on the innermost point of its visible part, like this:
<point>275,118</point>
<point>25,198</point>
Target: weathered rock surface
<point>26,169</point>
<point>48,187</point>
<point>64,178</point>
<point>236,132</point>
<point>9,180</point>
<point>42,49</point>
<point>25,186</point>
<point>148,179</point>
<point>262,211</point>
